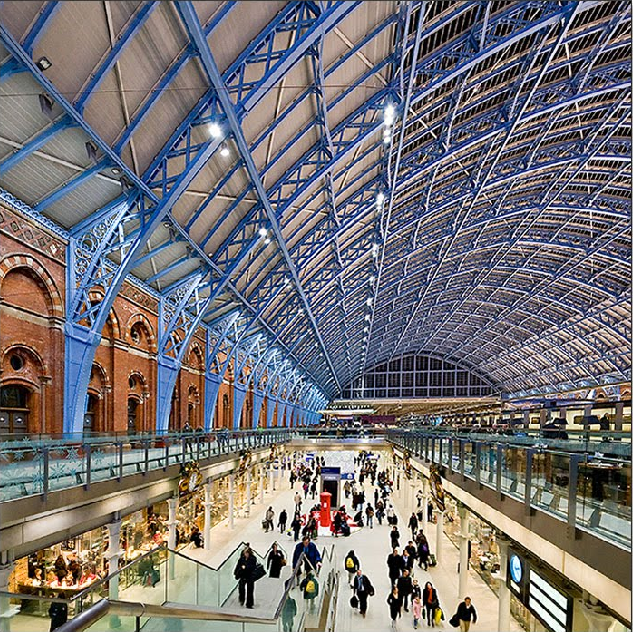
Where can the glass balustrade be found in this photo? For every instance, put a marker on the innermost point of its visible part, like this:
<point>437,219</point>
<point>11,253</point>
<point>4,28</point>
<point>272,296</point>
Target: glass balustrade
<point>163,578</point>
<point>39,464</point>
<point>582,488</point>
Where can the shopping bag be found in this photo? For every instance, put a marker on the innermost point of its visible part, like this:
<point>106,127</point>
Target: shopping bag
<point>438,616</point>
<point>354,601</point>
<point>454,621</point>
<point>432,560</point>
<point>259,571</point>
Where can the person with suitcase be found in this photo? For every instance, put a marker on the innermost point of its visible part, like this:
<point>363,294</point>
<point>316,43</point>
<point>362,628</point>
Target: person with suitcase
<point>351,566</point>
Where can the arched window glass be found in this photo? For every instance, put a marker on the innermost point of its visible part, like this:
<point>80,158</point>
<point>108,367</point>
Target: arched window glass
<point>14,409</point>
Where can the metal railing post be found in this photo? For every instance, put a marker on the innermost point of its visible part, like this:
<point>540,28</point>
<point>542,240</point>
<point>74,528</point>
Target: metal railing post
<point>477,462</point>
<point>146,447</point>
<point>529,453</point>
<point>166,454</point>
<point>572,504</point>
<point>499,469</point>
<point>45,471</point>
<point>88,452</point>
<point>450,454</point>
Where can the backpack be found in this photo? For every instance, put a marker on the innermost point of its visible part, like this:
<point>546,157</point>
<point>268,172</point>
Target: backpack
<point>349,564</point>
<point>311,588</point>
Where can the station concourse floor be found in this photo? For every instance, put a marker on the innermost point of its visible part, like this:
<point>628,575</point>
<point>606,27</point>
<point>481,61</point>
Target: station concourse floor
<point>372,546</point>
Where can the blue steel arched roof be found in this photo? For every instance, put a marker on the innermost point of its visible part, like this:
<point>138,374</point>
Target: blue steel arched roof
<point>239,160</point>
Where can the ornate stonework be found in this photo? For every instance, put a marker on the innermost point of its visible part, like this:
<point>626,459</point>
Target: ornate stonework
<point>139,297</point>
<point>22,229</point>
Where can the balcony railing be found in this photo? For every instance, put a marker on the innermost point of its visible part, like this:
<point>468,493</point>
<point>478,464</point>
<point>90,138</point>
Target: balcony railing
<point>39,464</point>
<point>586,490</point>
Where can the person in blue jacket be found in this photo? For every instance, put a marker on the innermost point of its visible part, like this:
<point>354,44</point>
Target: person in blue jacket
<point>312,555</point>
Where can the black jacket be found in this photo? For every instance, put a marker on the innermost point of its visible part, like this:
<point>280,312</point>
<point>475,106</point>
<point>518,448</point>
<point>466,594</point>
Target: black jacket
<point>395,564</point>
<point>58,612</point>
<point>465,613</point>
<point>368,589</point>
<point>245,567</point>
<point>405,586</point>
<point>283,518</point>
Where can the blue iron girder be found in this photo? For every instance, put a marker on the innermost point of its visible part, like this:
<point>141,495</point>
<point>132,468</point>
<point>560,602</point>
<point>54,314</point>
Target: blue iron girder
<point>149,221</point>
<point>34,144</point>
<point>519,28</point>
<point>383,220</point>
<point>137,20</point>
<point>192,23</point>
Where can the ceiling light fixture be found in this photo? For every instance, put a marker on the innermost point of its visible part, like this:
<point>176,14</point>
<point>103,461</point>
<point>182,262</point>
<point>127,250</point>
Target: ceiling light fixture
<point>215,130</point>
<point>46,105</point>
<point>390,112</point>
<point>224,150</point>
<point>267,241</point>
<point>263,233</point>
<point>43,63</point>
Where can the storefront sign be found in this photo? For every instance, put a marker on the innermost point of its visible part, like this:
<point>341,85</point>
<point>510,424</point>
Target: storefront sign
<point>331,473</point>
<point>190,478</point>
<point>552,607</point>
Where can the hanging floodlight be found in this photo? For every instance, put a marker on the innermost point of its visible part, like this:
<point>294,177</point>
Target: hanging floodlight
<point>369,302</point>
<point>267,241</point>
<point>215,131</point>
<point>224,150</point>
<point>390,112</point>
<point>380,198</point>
<point>263,233</point>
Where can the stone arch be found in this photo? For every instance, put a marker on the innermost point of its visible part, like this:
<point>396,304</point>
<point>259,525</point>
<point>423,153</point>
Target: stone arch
<point>96,295</point>
<point>17,261</point>
<point>195,357</point>
<point>142,321</point>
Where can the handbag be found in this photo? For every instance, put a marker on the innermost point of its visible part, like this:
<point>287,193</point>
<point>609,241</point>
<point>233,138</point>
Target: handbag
<point>454,621</point>
<point>283,561</point>
<point>354,601</point>
<point>259,571</point>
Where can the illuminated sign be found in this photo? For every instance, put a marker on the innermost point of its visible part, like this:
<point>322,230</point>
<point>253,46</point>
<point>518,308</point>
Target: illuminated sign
<point>549,604</point>
<point>516,568</point>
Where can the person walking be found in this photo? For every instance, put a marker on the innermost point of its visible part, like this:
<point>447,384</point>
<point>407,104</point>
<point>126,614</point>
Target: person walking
<point>293,479</point>
<point>338,523</point>
<point>413,525</point>
<point>58,612</point>
<point>283,518</point>
<point>405,588</point>
<point>390,513</point>
<point>351,566</point>
<point>465,614</point>
<point>429,511</point>
<point>412,554</point>
<point>423,553</point>
<point>362,589</point>
<point>313,488</point>
<point>395,537</point>
<point>431,602</point>
<point>312,555</point>
<point>369,513</point>
<point>395,606</point>
<point>419,497</point>
<point>275,561</point>
<point>298,502</point>
<point>416,607</point>
<point>380,511</point>
<point>295,525</point>
<point>310,588</point>
<point>376,496</point>
<point>244,573</point>
<point>270,516</point>
<point>395,563</point>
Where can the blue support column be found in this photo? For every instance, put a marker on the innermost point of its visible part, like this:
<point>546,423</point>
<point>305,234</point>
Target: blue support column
<point>212,383</point>
<point>80,345</point>
<point>239,396</point>
<point>168,369</point>
<point>270,411</point>
<point>281,413</point>
<point>258,401</point>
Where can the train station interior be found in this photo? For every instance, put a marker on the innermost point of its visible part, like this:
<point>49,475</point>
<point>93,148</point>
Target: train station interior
<point>315,316</point>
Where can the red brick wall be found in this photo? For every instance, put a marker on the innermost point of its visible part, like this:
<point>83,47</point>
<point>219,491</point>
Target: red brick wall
<point>32,291</point>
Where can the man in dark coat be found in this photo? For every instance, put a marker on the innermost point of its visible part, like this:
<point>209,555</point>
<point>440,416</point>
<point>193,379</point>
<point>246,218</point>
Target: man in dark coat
<point>405,588</point>
<point>395,563</point>
<point>362,589</point>
<point>58,612</point>
<point>244,573</point>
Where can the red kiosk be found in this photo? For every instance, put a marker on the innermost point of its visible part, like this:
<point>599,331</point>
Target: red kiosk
<point>326,516</point>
